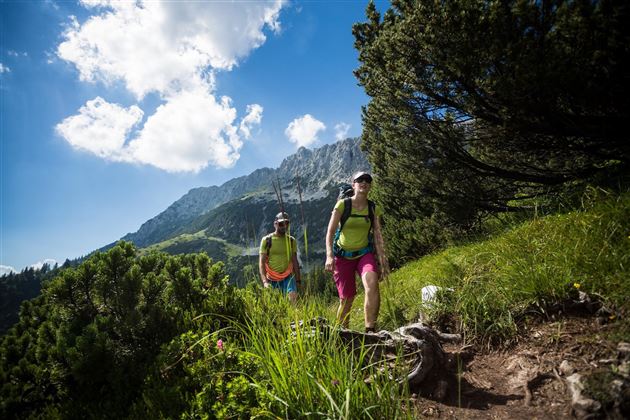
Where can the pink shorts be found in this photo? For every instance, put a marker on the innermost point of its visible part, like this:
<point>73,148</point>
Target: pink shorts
<point>344,273</point>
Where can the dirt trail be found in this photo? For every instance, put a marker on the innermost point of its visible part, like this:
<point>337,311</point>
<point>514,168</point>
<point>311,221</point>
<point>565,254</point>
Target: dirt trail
<point>527,381</point>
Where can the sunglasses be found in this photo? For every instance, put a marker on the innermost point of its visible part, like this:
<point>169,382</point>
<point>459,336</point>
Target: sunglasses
<point>363,179</point>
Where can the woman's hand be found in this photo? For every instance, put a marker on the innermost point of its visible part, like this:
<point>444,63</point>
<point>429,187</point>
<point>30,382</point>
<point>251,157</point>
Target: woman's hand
<point>330,264</point>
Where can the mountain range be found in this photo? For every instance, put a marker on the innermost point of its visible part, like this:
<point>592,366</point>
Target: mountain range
<point>228,221</point>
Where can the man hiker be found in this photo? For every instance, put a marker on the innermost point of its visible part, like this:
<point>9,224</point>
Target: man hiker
<point>278,264</point>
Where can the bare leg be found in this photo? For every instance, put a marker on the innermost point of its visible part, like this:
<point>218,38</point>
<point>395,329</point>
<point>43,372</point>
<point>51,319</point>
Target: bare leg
<point>343,312</point>
<point>372,298</point>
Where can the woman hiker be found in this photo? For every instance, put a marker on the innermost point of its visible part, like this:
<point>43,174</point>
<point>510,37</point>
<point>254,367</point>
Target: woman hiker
<point>353,239</point>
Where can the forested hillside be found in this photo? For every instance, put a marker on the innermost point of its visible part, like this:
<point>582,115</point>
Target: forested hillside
<point>18,287</point>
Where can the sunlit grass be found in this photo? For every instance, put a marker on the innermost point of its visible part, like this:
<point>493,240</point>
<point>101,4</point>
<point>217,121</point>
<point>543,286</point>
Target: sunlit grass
<point>300,372</point>
<point>535,263</point>
<point>310,374</point>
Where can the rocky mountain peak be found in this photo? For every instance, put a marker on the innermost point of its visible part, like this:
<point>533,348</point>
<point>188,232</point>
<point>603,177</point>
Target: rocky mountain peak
<point>317,169</point>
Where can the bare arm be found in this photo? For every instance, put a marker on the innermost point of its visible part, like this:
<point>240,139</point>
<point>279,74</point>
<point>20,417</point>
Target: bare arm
<point>261,269</point>
<point>335,217</point>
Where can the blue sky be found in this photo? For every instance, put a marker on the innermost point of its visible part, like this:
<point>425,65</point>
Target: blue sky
<point>111,111</point>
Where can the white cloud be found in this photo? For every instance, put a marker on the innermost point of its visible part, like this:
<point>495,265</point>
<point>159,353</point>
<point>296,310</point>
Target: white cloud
<point>159,46</point>
<point>38,265</point>
<point>303,131</point>
<point>188,132</point>
<point>4,69</point>
<point>253,117</point>
<point>185,134</point>
<point>172,49</point>
<point>100,128</point>
<point>6,269</point>
<point>341,130</point>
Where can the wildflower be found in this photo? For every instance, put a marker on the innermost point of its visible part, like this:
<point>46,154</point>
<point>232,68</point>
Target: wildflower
<point>335,382</point>
<point>220,344</point>
<point>576,285</point>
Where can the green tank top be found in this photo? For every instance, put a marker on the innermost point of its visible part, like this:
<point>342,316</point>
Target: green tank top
<point>280,252</point>
<point>354,235</point>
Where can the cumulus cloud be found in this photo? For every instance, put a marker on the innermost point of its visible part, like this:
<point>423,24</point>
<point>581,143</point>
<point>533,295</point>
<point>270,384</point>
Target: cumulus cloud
<point>303,130</point>
<point>341,130</point>
<point>185,134</point>
<point>188,132</point>
<point>6,269</point>
<point>4,69</point>
<point>100,128</point>
<point>171,49</point>
<point>159,46</point>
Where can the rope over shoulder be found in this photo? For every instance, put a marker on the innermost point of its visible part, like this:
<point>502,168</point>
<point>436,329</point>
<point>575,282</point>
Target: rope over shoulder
<point>275,276</point>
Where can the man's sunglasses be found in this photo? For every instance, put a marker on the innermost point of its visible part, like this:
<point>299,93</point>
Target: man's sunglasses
<point>363,179</point>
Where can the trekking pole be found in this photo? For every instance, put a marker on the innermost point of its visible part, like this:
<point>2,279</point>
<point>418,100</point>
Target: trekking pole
<point>304,225</point>
<point>278,191</point>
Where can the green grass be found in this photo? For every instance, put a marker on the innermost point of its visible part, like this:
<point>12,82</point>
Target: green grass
<point>495,281</point>
<point>194,242</point>
<point>540,261</point>
<point>307,374</point>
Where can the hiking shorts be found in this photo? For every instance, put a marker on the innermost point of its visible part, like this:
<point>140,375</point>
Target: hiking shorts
<point>345,270</point>
<point>285,286</point>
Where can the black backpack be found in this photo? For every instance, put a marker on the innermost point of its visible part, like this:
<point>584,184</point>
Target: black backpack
<point>345,194</point>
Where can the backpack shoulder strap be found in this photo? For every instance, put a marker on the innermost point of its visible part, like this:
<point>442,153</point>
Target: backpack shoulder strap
<point>347,209</point>
<point>268,242</point>
<point>371,212</point>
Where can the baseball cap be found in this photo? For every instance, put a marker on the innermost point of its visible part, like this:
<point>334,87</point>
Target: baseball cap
<point>282,217</point>
<point>361,174</point>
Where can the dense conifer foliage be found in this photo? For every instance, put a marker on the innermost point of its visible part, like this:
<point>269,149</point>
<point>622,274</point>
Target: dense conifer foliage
<point>478,105</point>
<point>86,344</point>
<point>17,287</point>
